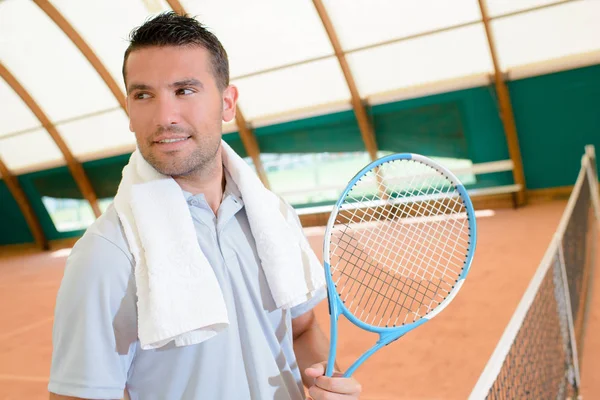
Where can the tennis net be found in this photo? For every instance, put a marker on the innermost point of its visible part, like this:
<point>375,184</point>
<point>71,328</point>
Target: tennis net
<point>537,355</point>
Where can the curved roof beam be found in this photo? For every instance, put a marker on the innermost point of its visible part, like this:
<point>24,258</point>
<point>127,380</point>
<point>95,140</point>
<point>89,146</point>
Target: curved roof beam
<point>246,134</point>
<point>364,124</point>
<point>506,111</point>
<point>78,41</point>
<point>74,166</point>
<point>251,146</point>
<point>23,202</point>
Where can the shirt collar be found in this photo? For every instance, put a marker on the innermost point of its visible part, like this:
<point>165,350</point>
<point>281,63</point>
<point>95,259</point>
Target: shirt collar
<point>231,190</point>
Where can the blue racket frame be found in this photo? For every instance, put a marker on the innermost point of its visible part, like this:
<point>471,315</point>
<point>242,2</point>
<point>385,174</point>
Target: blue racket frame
<point>337,307</point>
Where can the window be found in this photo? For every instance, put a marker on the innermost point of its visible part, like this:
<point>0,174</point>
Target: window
<point>320,178</point>
<point>311,178</point>
<point>72,214</point>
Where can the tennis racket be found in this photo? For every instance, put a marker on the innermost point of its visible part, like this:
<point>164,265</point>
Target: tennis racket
<point>397,248</point>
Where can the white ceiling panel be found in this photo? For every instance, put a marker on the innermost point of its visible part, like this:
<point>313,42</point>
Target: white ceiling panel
<point>289,90</point>
<point>501,7</point>
<point>14,113</point>
<point>90,21</point>
<point>48,64</point>
<point>104,133</point>
<point>30,151</point>
<point>547,34</point>
<point>360,23</point>
<point>259,35</point>
<point>434,58</point>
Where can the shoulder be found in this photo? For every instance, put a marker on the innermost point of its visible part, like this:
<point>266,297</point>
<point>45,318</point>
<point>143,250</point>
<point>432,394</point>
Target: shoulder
<point>106,231</point>
<point>101,254</point>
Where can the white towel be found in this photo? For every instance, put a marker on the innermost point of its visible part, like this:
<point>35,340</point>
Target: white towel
<point>179,298</point>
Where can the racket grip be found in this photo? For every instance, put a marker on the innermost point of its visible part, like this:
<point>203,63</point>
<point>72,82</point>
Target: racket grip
<point>333,322</point>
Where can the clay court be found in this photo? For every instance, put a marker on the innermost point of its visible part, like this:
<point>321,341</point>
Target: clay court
<point>440,360</point>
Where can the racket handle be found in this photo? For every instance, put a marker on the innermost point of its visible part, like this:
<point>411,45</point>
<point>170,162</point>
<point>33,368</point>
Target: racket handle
<point>332,344</point>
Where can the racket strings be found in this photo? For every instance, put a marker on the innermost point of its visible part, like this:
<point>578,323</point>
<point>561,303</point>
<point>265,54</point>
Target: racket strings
<point>426,234</point>
<point>370,287</point>
<point>419,204</point>
<point>396,254</point>
<point>387,280</point>
<point>401,258</point>
<point>382,235</point>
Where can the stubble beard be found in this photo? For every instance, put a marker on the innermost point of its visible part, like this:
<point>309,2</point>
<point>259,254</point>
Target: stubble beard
<point>201,161</point>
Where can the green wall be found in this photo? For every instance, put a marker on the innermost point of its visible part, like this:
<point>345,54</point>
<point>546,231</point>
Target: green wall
<point>13,227</point>
<point>556,115</point>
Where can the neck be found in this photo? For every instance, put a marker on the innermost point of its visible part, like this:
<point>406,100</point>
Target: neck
<point>210,181</point>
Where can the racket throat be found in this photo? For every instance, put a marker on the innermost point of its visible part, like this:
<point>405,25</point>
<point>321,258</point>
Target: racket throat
<point>387,338</point>
<point>384,340</point>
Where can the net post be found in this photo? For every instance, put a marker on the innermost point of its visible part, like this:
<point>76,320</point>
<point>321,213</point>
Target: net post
<point>590,150</point>
<point>592,172</point>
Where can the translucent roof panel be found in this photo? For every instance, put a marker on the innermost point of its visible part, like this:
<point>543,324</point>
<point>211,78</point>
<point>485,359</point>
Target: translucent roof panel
<point>433,58</point>
<point>549,33</point>
<point>15,115</point>
<point>501,7</point>
<point>30,151</point>
<point>361,23</point>
<point>311,85</point>
<point>48,64</point>
<point>259,35</point>
<point>103,134</point>
<point>91,23</point>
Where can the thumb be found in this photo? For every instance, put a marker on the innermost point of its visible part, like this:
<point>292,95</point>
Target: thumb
<point>315,370</point>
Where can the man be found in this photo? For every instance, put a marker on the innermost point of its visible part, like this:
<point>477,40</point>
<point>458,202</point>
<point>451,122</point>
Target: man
<point>178,93</point>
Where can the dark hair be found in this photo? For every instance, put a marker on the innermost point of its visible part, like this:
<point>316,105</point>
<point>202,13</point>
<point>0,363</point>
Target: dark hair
<point>172,29</point>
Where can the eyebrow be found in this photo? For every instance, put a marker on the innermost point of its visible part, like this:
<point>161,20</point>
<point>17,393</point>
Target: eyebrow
<point>138,86</point>
<point>178,84</point>
<point>187,82</point>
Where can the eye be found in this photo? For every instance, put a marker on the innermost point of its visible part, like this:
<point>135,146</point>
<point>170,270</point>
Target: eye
<point>184,91</point>
<point>141,96</point>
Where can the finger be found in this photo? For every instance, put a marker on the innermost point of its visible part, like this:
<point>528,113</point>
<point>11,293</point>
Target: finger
<point>316,393</point>
<point>315,370</point>
<point>338,385</point>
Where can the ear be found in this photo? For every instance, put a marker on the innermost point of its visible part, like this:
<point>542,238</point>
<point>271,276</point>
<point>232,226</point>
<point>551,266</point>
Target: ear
<point>230,96</point>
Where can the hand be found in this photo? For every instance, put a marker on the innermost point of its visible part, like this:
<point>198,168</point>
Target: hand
<point>331,388</point>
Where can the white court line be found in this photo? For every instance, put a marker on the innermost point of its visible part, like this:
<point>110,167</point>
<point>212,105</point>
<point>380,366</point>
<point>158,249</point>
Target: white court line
<point>446,217</point>
<point>61,253</point>
<point>320,230</point>
<point>26,328</point>
<point>19,378</point>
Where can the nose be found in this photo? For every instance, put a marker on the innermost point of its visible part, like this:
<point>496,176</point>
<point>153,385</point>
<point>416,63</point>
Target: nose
<point>166,112</point>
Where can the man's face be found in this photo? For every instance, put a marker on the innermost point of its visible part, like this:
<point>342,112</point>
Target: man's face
<point>176,108</point>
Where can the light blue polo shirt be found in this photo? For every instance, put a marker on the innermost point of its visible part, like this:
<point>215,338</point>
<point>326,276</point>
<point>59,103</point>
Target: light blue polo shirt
<point>96,353</point>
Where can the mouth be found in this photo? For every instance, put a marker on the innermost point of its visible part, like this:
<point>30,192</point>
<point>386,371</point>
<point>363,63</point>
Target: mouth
<point>172,144</point>
<point>172,140</point>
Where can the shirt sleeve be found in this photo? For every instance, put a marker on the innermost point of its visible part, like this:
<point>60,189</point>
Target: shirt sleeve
<point>95,328</point>
<point>308,305</point>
